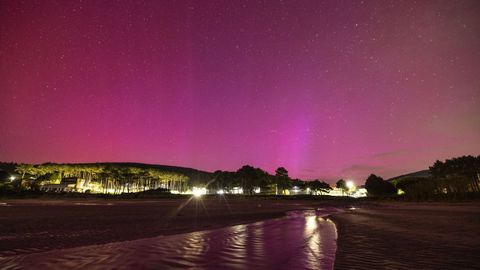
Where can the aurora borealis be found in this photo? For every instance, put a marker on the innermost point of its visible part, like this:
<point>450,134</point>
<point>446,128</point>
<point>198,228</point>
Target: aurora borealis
<point>326,89</point>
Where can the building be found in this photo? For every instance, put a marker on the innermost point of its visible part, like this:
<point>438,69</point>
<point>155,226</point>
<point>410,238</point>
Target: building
<point>67,184</point>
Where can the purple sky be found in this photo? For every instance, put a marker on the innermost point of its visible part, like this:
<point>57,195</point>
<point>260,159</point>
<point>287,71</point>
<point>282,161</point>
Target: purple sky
<point>327,89</point>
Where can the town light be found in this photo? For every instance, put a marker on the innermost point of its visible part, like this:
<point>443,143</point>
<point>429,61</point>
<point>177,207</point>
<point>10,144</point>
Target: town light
<point>12,178</point>
<point>198,192</point>
<point>350,185</point>
<point>237,190</point>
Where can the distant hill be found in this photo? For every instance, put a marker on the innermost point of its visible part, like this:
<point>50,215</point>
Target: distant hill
<point>419,174</point>
<point>194,175</point>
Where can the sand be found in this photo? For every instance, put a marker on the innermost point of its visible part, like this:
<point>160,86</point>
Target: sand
<point>409,236</point>
<point>28,226</point>
<point>371,235</point>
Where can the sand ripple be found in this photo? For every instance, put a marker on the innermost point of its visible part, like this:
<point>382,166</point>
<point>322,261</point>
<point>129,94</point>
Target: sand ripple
<point>302,240</point>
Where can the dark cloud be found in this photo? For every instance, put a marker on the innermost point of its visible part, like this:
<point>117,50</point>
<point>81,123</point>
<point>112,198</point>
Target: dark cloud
<point>361,168</point>
<point>390,154</point>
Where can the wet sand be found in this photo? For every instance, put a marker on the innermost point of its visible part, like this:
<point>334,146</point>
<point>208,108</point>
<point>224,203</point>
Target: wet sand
<point>409,236</point>
<point>371,235</point>
<point>28,226</point>
<point>307,237</point>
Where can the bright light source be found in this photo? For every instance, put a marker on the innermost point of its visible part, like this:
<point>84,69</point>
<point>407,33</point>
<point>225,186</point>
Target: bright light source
<point>256,190</point>
<point>350,185</point>
<point>197,192</point>
<point>12,178</point>
<point>220,191</point>
<point>237,190</point>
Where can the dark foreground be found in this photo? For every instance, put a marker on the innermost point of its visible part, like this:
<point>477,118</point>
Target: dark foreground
<point>370,235</point>
<point>36,225</point>
<point>409,236</point>
<point>300,240</point>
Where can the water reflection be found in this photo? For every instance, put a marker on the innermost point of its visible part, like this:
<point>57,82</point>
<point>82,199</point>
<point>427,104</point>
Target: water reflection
<point>313,246</point>
<point>301,240</point>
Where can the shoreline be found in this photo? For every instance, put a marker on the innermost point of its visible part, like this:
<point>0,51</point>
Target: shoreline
<point>311,238</point>
<point>408,236</point>
<point>369,234</point>
<point>28,226</point>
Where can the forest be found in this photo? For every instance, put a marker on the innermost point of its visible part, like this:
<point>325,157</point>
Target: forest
<point>118,178</point>
<point>460,175</point>
<point>451,178</point>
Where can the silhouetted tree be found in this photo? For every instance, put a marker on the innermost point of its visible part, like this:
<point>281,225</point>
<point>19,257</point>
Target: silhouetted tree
<point>341,184</point>
<point>248,178</point>
<point>282,180</point>
<point>376,186</point>
<point>318,186</point>
<point>457,175</point>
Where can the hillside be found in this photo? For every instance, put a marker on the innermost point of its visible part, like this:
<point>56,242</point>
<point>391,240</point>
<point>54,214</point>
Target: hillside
<point>419,174</point>
<point>194,175</point>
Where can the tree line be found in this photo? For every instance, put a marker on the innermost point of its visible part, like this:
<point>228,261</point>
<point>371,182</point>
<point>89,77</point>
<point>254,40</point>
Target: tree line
<point>99,178</point>
<point>126,177</point>
<point>459,175</point>
<point>248,178</point>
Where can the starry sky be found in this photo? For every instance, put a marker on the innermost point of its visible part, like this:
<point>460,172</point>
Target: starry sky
<point>327,89</point>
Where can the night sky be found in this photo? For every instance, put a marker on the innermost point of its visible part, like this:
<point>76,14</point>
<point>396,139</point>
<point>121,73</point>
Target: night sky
<point>327,89</point>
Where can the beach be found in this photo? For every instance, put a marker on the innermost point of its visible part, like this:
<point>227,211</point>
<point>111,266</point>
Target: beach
<point>43,224</point>
<point>409,236</point>
<point>371,234</point>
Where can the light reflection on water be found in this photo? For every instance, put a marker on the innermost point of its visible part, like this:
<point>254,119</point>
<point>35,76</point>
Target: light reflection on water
<point>301,240</point>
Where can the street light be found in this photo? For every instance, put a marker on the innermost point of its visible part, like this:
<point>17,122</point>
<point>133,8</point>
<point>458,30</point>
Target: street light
<point>12,178</point>
<point>350,185</point>
<point>198,192</point>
